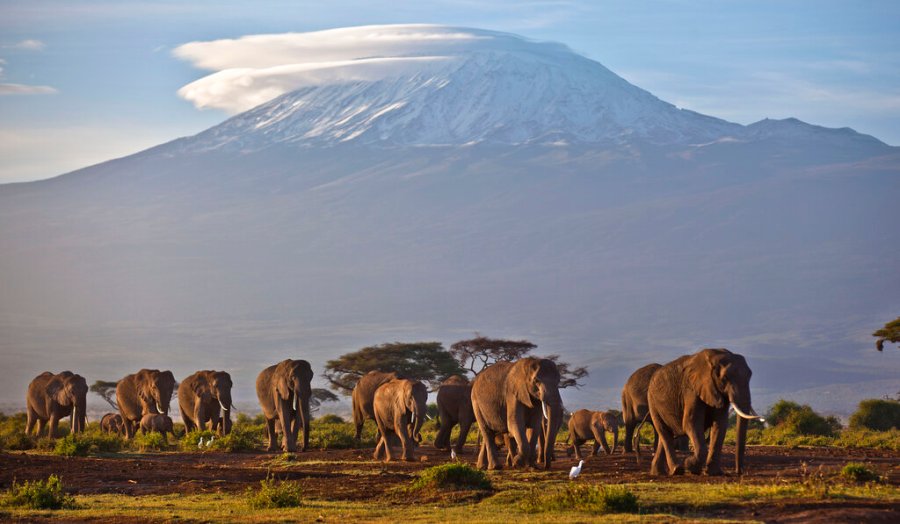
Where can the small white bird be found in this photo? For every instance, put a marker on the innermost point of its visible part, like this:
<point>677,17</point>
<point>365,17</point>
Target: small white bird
<point>453,454</point>
<point>576,470</point>
<point>210,441</point>
<point>200,444</point>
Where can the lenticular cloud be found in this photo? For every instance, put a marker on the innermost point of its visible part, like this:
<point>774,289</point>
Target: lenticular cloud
<point>251,70</point>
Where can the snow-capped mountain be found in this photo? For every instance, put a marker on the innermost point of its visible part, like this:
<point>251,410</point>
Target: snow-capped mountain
<point>421,182</point>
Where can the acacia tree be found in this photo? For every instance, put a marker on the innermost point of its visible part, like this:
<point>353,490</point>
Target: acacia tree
<point>320,396</point>
<point>890,333</point>
<point>105,390</point>
<point>480,352</point>
<point>428,362</point>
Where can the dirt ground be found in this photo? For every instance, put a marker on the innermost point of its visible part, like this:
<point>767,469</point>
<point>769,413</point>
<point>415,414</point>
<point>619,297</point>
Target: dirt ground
<point>351,475</point>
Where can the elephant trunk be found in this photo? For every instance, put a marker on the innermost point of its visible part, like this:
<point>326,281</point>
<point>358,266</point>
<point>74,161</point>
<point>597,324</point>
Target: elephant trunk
<point>554,413</point>
<point>740,444</point>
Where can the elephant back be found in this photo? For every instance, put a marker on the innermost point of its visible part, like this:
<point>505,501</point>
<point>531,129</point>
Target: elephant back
<point>489,395</point>
<point>364,392</point>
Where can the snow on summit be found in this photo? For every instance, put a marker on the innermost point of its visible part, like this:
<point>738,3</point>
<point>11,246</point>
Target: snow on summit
<point>423,85</point>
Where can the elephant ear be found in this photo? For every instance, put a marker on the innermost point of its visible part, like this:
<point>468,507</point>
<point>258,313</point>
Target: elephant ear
<point>520,378</point>
<point>53,389</point>
<point>700,372</point>
<point>280,377</point>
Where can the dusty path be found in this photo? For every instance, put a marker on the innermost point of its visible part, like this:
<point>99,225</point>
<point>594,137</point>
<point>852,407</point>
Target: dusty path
<point>352,475</point>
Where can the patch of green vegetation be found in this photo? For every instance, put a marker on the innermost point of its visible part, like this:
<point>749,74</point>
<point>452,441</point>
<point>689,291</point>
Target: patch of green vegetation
<point>152,441</point>
<point>858,472</point>
<point>72,446</point>
<point>38,494</point>
<point>331,419</point>
<point>584,498</point>
<point>877,415</point>
<point>452,476</point>
<point>275,494</point>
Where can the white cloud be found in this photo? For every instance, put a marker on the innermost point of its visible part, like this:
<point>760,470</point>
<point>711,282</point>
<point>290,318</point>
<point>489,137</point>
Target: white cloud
<point>255,69</point>
<point>28,45</point>
<point>22,89</point>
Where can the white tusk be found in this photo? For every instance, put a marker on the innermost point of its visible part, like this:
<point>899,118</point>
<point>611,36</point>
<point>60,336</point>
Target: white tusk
<point>428,417</point>
<point>744,415</point>
<point>159,409</point>
<point>223,406</point>
<point>544,410</point>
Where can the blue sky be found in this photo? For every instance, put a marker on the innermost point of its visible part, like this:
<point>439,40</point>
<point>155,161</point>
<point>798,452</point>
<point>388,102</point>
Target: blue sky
<point>83,82</point>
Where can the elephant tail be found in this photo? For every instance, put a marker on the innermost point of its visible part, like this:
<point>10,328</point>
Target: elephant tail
<point>637,438</point>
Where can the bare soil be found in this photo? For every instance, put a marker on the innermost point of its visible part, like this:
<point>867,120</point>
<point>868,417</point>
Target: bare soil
<point>351,475</point>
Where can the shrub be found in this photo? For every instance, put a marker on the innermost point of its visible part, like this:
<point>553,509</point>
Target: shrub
<point>12,433</point>
<point>244,419</point>
<point>452,476</point>
<point>879,415</point>
<point>858,472</point>
<point>807,422</point>
<point>331,419</point>
<point>190,441</point>
<point>38,494</point>
<point>72,446</point>
<point>152,441</point>
<point>242,438</point>
<point>781,410</point>
<point>275,494</point>
<point>582,497</point>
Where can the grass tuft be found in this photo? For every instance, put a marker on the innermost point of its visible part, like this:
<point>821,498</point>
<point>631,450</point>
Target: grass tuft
<point>585,498</point>
<point>452,476</point>
<point>858,472</point>
<point>38,494</point>
<point>275,494</point>
<point>152,441</point>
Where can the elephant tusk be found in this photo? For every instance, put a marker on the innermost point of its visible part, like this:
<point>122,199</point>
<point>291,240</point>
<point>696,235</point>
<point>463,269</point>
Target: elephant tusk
<point>159,408</point>
<point>223,406</point>
<point>744,415</point>
<point>428,417</point>
<point>544,410</point>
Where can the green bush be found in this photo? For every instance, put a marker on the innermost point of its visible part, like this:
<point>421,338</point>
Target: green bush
<point>12,433</point>
<point>796,419</point>
<point>330,419</point>
<point>72,446</point>
<point>38,494</point>
<point>334,436</point>
<point>275,494</point>
<point>190,441</point>
<point>878,415</point>
<point>586,498</point>
<point>244,419</point>
<point>452,476</point>
<point>152,441</point>
<point>781,410</point>
<point>858,472</point>
<point>241,438</point>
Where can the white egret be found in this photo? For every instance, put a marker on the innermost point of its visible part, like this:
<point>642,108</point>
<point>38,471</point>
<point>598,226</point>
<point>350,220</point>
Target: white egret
<point>453,454</point>
<point>200,444</point>
<point>576,470</point>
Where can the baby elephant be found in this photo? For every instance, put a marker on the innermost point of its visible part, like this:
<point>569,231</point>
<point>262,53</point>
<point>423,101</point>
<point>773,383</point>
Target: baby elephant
<point>112,423</point>
<point>592,425</point>
<point>399,407</point>
<point>156,422</point>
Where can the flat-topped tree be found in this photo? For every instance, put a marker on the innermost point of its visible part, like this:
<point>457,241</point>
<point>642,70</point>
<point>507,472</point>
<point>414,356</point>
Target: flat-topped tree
<point>478,353</point>
<point>105,390</point>
<point>427,362</point>
<point>889,333</point>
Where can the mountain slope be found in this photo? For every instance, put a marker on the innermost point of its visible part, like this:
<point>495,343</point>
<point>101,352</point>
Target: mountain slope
<point>509,187</point>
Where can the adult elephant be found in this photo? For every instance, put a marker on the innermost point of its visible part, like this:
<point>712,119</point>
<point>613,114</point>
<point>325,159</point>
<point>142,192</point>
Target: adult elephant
<point>51,397</point>
<point>634,402</point>
<point>692,394</point>
<point>399,407</point>
<point>284,391</point>
<point>587,425</point>
<point>147,391</point>
<point>454,403</point>
<point>512,397</point>
<point>364,397</point>
<point>200,398</point>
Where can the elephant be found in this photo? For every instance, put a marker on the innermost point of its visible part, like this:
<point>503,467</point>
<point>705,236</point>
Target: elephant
<point>512,397</point>
<point>200,398</point>
<point>158,423</point>
<point>586,425</point>
<point>52,397</point>
<point>284,391</point>
<point>454,403</point>
<point>692,394</point>
<point>364,396</point>
<point>634,403</point>
<point>399,407</point>
<point>147,391</point>
<point>112,423</point>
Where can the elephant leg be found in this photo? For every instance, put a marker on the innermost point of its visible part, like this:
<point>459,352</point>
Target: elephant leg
<point>516,427</point>
<point>490,449</point>
<point>694,463</point>
<point>442,440</point>
<point>629,435</point>
<point>600,437</point>
<point>665,451</point>
<point>464,426</point>
<point>30,422</point>
<point>407,443</point>
<point>270,432</point>
<point>54,424</point>
<point>716,438</point>
<point>479,463</point>
<point>576,445</point>
<point>42,426</point>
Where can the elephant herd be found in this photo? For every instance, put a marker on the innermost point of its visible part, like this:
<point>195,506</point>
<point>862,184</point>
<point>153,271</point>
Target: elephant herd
<point>514,403</point>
